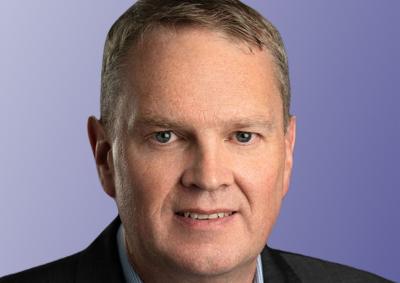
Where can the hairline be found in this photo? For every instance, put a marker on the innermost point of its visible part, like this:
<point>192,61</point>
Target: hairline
<point>238,23</point>
<point>156,27</point>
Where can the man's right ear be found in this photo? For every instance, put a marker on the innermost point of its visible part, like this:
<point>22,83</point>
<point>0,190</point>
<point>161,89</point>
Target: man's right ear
<point>102,152</point>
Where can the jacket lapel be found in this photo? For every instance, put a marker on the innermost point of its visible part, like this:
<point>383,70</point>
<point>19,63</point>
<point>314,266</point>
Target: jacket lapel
<point>100,261</point>
<point>276,269</point>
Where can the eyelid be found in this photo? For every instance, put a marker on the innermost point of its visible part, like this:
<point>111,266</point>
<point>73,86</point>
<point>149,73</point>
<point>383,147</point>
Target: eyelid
<point>176,136</point>
<point>254,137</point>
<point>152,138</point>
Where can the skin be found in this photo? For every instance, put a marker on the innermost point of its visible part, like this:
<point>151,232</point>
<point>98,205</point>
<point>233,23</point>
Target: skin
<point>202,91</point>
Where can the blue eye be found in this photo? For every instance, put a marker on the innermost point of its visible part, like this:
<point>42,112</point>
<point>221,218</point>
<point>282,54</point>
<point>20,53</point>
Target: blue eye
<point>163,137</point>
<point>243,137</point>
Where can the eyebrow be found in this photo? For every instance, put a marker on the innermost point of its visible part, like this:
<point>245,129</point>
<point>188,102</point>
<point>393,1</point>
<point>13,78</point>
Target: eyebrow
<point>237,122</point>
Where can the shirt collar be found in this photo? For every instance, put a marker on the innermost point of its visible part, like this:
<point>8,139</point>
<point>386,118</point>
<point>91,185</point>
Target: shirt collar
<point>132,277</point>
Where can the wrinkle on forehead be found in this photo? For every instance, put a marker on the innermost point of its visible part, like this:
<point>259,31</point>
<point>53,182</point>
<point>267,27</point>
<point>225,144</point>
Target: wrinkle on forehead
<point>150,62</point>
<point>200,78</point>
<point>228,122</point>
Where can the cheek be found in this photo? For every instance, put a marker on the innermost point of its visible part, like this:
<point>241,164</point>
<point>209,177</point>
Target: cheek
<point>146,186</point>
<point>261,182</point>
<point>147,183</point>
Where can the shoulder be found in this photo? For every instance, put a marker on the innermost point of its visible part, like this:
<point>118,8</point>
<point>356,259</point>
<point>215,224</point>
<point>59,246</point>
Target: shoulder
<point>97,263</point>
<point>56,271</point>
<point>310,269</point>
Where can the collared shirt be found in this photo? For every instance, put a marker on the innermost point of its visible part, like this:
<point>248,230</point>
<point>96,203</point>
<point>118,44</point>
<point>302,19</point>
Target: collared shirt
<point>132,277</point>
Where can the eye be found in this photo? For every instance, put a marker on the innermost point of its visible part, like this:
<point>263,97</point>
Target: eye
<point>244,137</point>
<point>164,137</point>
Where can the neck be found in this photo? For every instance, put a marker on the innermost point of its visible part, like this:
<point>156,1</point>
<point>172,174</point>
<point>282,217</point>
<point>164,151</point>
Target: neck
<point>155,274</point>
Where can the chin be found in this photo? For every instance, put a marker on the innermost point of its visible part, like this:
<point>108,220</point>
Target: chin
<point>209,260</point>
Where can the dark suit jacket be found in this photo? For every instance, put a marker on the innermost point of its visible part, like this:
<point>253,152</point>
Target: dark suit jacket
<point>100,263</point>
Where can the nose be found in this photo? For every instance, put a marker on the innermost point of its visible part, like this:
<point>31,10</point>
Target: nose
<point>209,169</point>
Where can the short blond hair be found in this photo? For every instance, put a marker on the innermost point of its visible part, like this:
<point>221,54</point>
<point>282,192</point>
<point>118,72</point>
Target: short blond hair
<point>231,17</point>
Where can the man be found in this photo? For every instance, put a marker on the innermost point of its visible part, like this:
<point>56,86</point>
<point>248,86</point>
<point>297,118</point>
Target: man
<point>195,144</point>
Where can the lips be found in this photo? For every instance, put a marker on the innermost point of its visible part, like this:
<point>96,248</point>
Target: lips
<point>201,215</point>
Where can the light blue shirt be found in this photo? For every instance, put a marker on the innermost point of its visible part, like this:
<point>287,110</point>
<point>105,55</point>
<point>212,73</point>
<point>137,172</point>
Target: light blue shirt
<point>132,277</point>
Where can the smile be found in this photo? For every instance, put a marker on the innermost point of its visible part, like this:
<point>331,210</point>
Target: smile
<point>201,216</point>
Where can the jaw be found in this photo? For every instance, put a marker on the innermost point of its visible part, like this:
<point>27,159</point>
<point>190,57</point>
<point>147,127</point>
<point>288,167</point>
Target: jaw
<point>199,252</point>
<point>203,263</point>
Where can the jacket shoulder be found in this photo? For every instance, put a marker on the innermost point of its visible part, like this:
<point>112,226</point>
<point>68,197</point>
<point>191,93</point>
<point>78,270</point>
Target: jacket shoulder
<point>99,262</point>
<point>310,269</point>
<point>57,271</point>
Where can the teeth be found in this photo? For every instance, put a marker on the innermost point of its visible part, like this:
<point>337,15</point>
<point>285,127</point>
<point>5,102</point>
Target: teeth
<point>207,216</point>
<point>202,216</point>
<point>213,216</point>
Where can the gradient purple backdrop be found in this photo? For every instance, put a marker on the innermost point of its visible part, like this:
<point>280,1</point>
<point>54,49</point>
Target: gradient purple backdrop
<point>344,63</point>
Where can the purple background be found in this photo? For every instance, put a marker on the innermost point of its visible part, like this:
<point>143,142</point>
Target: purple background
<point>344,59</point>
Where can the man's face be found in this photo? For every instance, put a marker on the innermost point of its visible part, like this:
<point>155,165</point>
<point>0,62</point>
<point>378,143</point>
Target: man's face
<point>201,161</point>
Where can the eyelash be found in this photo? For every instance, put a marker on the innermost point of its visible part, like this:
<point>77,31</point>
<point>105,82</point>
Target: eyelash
<point>153,136</point>
<point>233,137</point>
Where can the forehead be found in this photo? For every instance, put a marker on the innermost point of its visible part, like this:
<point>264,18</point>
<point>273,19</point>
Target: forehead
<point>193,73</point>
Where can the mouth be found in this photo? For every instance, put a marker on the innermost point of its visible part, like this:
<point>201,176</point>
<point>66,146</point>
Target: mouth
<point>204,216</point>
<point>206,220</point>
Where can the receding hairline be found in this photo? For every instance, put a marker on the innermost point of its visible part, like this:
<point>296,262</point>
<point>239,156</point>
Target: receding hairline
<point>135,51</point>
<point>235,20</point>
<point>162,30</point>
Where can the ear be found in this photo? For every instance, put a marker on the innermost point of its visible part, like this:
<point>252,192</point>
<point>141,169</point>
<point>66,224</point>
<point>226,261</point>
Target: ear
<point>290,139</point>
<point>102,152</point>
